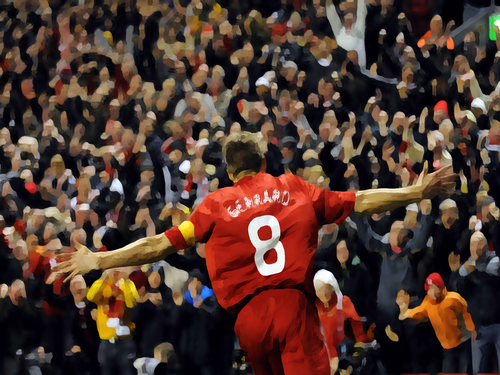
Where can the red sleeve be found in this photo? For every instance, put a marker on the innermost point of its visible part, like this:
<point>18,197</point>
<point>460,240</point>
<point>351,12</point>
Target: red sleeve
<point>176,238</point>
<point>203,218</point>
<point>354,319</point>
<point>330,206</point>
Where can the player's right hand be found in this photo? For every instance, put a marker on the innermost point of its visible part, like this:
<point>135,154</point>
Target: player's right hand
<point>78,263</point>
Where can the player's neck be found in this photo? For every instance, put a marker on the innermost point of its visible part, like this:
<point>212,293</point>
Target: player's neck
<point>245,174</point>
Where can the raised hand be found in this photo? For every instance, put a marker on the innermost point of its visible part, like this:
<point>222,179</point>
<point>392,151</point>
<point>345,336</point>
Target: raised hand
<point>449,26</point>
<point>440,183</point>
<point>387,150</point>
<point>78,263</point>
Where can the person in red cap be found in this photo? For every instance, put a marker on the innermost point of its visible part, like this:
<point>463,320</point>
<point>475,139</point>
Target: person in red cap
<point>447,312</point>
<point>441,112</point>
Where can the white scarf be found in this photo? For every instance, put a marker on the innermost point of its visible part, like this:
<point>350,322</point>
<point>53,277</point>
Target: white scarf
<point>326,277</point>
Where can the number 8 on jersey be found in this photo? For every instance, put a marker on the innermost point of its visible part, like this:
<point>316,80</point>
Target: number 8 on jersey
<point>264,246</point>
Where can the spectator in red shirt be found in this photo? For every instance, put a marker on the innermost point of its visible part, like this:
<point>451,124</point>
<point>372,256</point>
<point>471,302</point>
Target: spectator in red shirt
<point>334,310</point>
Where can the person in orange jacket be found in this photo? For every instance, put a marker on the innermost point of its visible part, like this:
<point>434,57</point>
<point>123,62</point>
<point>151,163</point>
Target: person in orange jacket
<point>437,36</point>
<point>447,312</point>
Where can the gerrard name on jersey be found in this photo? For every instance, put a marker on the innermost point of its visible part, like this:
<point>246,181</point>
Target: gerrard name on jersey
<point>282,197</point>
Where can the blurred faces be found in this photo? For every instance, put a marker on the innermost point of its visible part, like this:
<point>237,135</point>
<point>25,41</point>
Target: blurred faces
<point>31,243</point>
<point>79,236</point>
<point>180,68</point>
<point>397,122</point>
<point>195,287</point>
<point>58,166</point>
<point>177,131</point>
<point>104,75</point>
<point>287,153</point>
<point>324,132</point>
<point>325,293</point>
<point>17,292</point>
<point>154,279</point>
<point>267,130</point>
<point>247,54</point>
<point>37,218</point>
<point>446,128</point>
<point>449,216</point>
<point>147,127</point>
<point>470,39</point>
<point>147,177</point>
<point>478,245</point>
<point>12,207</point>
<point>27,89</point>
<point>114,112</point>
<point>104,177</point>
<point>439,116</point>
<point>398,234</point>
<point>342,252</point>
<point>235,128</point>
<point>437,25</point>
<point>461,65</point>
<point>117,131</point>
<point>285,100</point>
<point>262,90</point>
<point>169,88</point>
<point>78,288</point>
<point>175,156</point>
<point>434,292</point>
<point>120,47</point>
<point>49,232</point>
<point>349,21</point>
<point>5,137</point>
<point>20,251</point>
<point>353,57</point>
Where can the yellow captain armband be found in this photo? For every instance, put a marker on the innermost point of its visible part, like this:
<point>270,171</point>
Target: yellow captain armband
<point>187,231</point>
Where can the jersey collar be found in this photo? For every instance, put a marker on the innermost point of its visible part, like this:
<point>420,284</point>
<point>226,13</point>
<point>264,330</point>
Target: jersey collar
<point>246,179</point>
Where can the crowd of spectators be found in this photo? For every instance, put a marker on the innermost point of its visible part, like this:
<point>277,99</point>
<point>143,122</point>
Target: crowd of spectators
<point>113,115</point>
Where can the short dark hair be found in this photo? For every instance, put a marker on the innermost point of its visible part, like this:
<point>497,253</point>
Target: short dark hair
<point>243,153</point>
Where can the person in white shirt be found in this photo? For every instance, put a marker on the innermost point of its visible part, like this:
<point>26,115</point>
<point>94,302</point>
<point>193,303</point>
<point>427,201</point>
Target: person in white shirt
<point>350,35</point>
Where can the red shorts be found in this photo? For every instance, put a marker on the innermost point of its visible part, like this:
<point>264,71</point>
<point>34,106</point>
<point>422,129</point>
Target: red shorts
<point>279,331</point>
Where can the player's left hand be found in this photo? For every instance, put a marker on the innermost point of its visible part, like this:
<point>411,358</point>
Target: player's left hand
<point>440,183</point>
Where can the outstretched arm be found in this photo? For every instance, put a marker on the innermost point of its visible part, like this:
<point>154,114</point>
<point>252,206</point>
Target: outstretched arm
<point>374,201</point>
<point>377,201</point>
<point>333,17</point>
<point>146,250</point>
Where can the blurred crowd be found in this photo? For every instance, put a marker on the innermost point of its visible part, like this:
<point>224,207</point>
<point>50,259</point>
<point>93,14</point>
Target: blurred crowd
<point>113,116</point>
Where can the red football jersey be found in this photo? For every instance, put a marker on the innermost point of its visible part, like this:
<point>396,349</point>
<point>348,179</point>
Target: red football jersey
<point>262,233</point>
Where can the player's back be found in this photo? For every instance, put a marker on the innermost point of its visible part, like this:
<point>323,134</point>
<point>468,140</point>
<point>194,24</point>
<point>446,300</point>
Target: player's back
<point>262,233</point>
